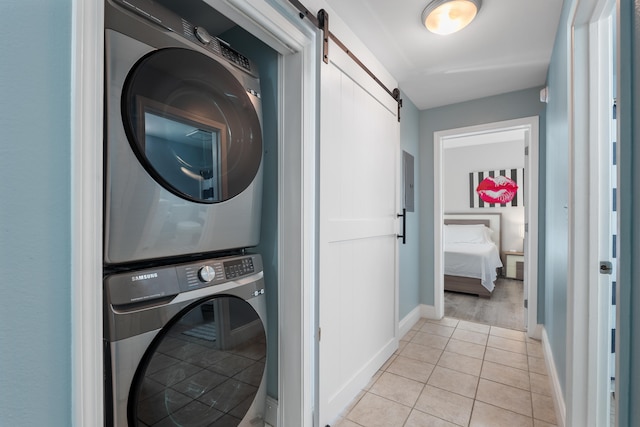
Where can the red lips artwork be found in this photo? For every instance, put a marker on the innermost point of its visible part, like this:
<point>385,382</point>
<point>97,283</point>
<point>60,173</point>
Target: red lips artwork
<point>499,189</point>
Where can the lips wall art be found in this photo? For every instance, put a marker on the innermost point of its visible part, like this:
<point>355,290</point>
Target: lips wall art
<point>496,188</point>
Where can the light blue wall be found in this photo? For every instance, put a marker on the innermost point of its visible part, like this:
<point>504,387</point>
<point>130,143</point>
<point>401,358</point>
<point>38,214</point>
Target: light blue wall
<point>628,300</point>
<point>509,106</point>
<point>267,62</point>
<point>557,196</point>
<point>410,252</point>
<point>35,322</point>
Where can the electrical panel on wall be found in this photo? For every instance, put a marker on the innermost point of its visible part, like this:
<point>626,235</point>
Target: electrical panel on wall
<point>408,181</point>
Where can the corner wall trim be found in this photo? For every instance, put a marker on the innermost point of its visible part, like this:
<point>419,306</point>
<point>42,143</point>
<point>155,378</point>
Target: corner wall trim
<point>271,412</point>
<point>558,398</point>
<point>408,321</point>
<point>429,312</point>
<point>536,333</point>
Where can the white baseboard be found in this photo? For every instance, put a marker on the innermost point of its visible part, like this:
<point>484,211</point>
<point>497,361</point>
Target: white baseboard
<point>561,409</point>
<point>358,382</point>
<point>429,312</point>
<point>408,321</point>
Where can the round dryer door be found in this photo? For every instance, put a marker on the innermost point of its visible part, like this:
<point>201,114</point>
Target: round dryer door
<point>205,367</point>
<point>192,125</point>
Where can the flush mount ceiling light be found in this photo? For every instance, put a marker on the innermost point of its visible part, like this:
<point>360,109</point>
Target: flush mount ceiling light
<point>448,16</point>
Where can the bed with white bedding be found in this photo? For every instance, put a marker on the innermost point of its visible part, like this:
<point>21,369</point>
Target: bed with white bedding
<point>471,253</point>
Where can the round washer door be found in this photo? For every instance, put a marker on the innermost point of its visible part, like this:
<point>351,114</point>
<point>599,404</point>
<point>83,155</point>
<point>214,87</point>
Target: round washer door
<point>205,367</point>
<point>192,125</point>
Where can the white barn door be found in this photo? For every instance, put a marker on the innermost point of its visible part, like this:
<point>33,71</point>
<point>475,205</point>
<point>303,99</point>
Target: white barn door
<point>359,157</point>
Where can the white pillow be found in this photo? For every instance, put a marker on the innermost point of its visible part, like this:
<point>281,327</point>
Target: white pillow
<point>487,234</point>
<point>474,233</point>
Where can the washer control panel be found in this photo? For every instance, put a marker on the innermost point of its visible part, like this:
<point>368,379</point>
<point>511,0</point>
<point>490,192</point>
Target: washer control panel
<point>216,271</point>
<point>238,268</point>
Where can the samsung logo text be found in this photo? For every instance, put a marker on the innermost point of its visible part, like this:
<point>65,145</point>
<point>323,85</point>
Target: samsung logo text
<point>144,277</point>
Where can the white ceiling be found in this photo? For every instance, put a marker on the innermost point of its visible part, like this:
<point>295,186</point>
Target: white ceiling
<point>506,48</point>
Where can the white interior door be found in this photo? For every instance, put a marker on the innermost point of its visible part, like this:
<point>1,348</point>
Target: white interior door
<point>604,168</point>
<point>590,216</point>
<point>359,156</point>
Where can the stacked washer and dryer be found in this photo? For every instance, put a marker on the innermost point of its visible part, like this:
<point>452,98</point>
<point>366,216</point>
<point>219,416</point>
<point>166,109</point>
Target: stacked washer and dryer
<point>184,303</point>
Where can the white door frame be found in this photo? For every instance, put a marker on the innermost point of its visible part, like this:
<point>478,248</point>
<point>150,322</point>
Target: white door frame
<point>87,65</point>
<point>530,126</point>
<point>277,25</point>
<point>587,304</point>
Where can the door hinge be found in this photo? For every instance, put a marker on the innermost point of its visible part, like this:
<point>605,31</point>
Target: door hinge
<point>526,303</point>
<point>319,333</point>
<point>526,150</point>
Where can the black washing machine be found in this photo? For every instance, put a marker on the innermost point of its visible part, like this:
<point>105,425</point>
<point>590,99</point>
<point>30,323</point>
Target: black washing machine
<point>185,345</point>
<point>182,135</point>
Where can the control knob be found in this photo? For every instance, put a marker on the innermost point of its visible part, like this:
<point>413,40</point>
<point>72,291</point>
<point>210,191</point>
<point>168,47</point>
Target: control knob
<point>202,35</point>
<point>206,273</point>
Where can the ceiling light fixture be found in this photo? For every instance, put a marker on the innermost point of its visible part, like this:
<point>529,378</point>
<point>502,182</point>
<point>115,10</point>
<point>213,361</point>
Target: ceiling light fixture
<point>448,16</point>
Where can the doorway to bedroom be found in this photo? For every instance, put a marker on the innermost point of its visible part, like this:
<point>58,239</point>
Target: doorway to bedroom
<point>487,271</point>
<point>483,177</point>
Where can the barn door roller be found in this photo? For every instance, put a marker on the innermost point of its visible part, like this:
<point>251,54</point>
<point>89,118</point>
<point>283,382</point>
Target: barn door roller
<point>321,21</point>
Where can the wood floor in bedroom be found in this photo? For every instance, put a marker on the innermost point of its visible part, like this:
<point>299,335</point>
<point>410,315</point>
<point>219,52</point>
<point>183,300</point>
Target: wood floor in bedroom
<point>505,308</point>
<point>453,372</point>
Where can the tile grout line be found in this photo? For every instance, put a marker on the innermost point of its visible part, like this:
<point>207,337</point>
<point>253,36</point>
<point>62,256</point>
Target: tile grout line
<point>530,392</point>
<point>475,395</point>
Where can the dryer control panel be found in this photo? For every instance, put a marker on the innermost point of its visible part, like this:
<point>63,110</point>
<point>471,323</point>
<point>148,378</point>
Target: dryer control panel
<point>164,17</point>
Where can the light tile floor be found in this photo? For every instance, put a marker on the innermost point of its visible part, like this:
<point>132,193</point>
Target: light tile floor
<point>453,372</point>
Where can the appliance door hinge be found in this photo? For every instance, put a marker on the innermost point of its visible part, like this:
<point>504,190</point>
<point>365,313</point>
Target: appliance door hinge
<point>526,150</point>
<point>319,333</point>
<point>526,303</point>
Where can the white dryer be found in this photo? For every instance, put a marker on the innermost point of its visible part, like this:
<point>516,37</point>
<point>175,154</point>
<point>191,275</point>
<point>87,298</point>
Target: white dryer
<point>183,140</point>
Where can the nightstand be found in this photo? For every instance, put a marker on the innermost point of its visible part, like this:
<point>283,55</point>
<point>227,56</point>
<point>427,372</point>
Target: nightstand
<point>514,265</point>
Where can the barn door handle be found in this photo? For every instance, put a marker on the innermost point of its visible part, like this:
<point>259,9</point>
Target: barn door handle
<point>403,236</point>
